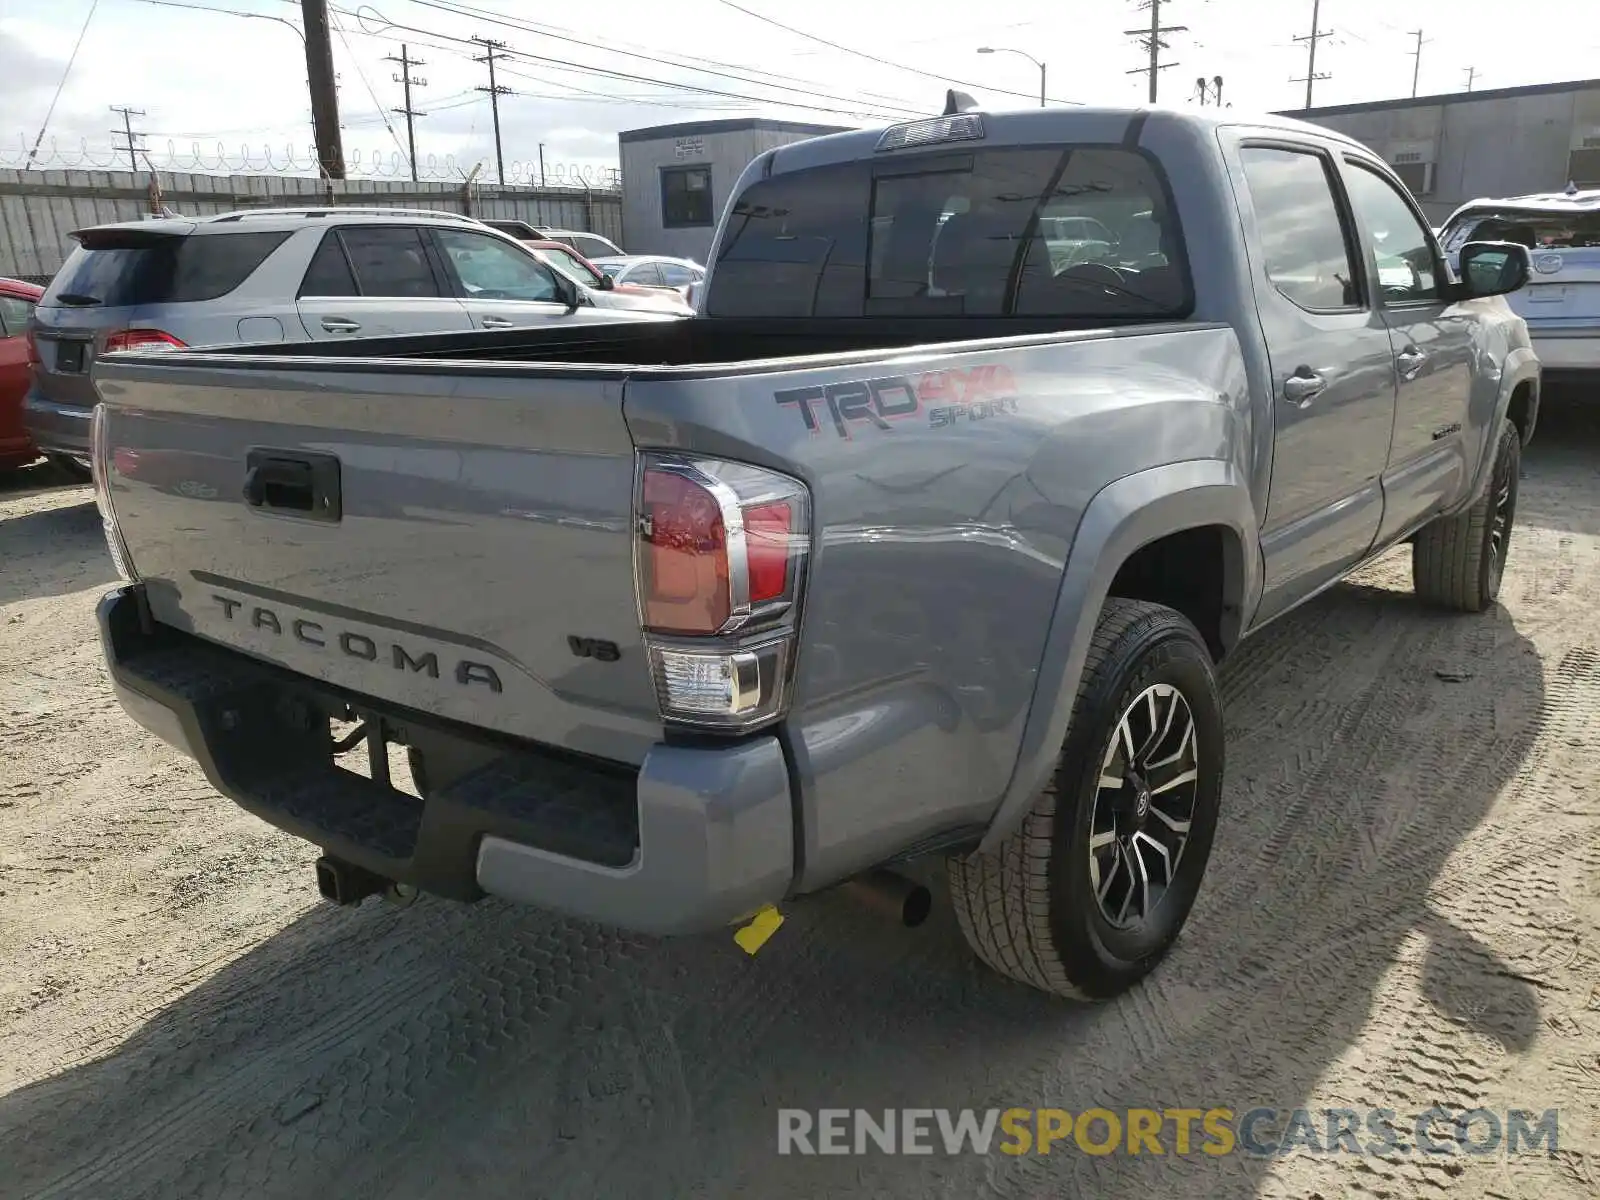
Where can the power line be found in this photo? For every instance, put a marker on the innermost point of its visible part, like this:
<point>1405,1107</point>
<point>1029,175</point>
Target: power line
<point>367,83</point>
<point>411,114</point>
<point>131,138</point>
<point>874,58</point>
<point>495,92</point>
<point>605,72</point>
<point>67,70</point>
<point>1311,39</point>
<point>556,34</point>
<point>1153,43</point>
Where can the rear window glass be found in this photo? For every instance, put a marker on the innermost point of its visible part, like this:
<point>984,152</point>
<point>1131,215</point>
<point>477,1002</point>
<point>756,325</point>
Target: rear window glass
<point>389,260</point>
<point>590,247</point>
<point>1083,232</point>
<point>329,272</point>
<point>163,270</point>
<point>1537,231</point>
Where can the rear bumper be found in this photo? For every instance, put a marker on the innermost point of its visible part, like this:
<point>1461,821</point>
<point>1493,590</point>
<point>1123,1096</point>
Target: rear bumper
<point>57,428</point>
<point>694,839</point>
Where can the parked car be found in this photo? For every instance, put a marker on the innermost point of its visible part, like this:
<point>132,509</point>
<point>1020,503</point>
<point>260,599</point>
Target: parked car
<point>587,244</point>
<point>1562,300</point>
<point>17,299</point>
<point>563,257</point>
<point>653,271</point>
<point>702,616</point>
<point>284,274</point>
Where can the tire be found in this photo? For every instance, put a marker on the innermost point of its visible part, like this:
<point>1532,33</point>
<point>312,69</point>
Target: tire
<point>70,468</point>
<point>1457,562</point>
<point>1032,909</point>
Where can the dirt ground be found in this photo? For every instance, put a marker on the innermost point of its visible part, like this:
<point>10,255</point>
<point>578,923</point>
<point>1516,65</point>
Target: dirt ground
<point>1403,910</point>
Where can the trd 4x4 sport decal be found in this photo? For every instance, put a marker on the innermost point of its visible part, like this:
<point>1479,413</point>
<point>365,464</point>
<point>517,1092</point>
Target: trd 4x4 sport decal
<point>948,397</point>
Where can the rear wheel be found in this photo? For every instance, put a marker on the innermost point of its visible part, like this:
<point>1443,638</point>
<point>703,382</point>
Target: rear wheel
<point>1458,562</point>
<point>1087,895</point>
<point>73,467</point>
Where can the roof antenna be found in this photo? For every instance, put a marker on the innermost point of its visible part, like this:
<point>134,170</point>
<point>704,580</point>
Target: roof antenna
<point>957,102</point>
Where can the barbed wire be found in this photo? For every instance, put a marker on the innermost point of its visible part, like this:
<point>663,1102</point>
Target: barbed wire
<point>267,159</point>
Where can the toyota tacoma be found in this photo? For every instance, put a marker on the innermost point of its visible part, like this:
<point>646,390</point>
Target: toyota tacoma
<point>923,538</point>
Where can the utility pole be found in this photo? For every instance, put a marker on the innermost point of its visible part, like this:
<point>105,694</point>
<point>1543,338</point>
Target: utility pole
<point>1311,39</point>
<point>324,90</point>
<point>495,92</point>
<point>131,138</point>
<point>1416,64</point>
<point>1209,87</point>
<point>404,77</point>
<point>1153,44</point>
<point>1472,76</point>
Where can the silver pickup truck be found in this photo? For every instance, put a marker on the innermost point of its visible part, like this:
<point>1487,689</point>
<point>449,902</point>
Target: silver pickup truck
<point>923,539</point>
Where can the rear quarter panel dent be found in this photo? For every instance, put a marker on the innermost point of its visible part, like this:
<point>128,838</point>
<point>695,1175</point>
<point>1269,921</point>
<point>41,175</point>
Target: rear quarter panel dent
<point>1129,513</point>
<point>939,551</point>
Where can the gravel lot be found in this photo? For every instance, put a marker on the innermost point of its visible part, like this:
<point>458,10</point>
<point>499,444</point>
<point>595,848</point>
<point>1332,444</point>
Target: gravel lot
<point>1403,909</point>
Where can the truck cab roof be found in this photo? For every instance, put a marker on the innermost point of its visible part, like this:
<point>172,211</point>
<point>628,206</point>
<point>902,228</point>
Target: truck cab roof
<point>1085,124</point>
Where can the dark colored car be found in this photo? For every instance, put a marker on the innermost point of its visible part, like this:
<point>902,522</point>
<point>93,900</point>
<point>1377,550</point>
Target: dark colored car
<point>17,301</point>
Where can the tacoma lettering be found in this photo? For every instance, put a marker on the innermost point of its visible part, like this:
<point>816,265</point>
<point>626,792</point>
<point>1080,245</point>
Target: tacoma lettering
<point>364,648</point>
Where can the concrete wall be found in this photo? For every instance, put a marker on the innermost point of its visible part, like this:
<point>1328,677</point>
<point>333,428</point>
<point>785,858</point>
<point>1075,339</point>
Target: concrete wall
<point>725,146</point>
<point>38,209</point>
<point>1489,146</point>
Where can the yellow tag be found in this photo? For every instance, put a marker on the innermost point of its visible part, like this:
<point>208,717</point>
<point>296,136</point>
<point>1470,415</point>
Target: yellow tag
<point>762,926</point>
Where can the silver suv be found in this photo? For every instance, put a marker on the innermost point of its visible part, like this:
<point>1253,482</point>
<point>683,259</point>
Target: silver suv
<point>265,275</point>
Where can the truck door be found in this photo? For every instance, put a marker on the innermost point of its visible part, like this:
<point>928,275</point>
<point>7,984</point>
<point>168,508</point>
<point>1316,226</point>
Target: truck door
<point>1431,339</point>
<point>1333,375</point>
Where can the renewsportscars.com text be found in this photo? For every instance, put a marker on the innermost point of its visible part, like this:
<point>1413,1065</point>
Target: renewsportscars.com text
<point>1178,1131</point>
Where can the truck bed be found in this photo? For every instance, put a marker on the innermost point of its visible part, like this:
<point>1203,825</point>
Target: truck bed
<point>707,341</point>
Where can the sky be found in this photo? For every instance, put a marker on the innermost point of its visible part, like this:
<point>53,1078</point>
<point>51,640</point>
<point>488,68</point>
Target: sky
<point>221,88</point>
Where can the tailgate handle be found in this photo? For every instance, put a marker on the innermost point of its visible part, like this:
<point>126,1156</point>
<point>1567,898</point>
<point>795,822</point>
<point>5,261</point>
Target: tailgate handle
<point>293,482</point>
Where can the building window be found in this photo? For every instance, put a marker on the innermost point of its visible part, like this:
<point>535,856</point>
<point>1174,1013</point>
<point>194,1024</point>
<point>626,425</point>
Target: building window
<point>686,197</point>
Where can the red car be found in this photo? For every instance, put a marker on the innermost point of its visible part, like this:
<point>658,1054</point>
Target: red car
<point>569,260</point>
<point>16,307</point>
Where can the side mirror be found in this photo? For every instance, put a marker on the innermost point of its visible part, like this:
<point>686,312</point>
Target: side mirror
<point>607,284</point>
<point>568,290</point>
<point>1493,268</point>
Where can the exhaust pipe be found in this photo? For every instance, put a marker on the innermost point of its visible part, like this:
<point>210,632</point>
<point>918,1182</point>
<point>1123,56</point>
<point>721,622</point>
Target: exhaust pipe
<point>345,883</point>
<point>893,895</point>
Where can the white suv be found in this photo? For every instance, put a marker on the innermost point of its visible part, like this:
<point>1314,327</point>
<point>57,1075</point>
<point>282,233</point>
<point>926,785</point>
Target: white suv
<point>1561,303</point>
<point>270,275</point>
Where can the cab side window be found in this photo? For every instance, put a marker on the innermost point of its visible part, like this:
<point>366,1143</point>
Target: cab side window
<point>1408,272</point>
<point>1308,256</point>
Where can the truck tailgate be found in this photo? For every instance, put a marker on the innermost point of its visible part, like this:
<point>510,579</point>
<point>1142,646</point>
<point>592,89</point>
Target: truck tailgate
<point>474,551</point>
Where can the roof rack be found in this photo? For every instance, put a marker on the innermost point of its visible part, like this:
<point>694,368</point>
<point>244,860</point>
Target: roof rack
<point>337,210</point>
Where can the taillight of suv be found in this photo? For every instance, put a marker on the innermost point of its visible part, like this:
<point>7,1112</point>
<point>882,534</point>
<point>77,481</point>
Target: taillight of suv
<point>720,557</point>
<point>142,339</point>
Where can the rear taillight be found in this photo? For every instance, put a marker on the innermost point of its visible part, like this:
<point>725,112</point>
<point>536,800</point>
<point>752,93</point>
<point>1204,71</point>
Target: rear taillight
<point>720,563</point>
<point>101,466</point>
<point>142,339</point>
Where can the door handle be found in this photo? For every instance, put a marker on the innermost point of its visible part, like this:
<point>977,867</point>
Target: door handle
<point>340,325</point>
<point>1304,386</point>
<point>304,484</point>
<point>498,322</point>
<point>1411,360</point>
